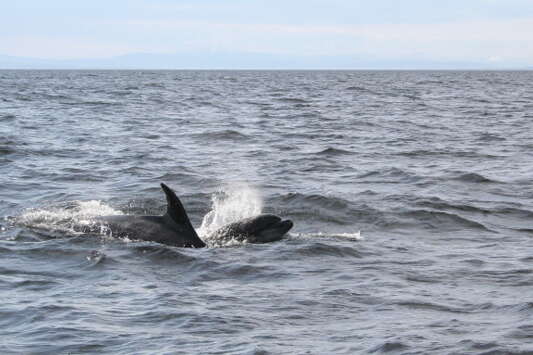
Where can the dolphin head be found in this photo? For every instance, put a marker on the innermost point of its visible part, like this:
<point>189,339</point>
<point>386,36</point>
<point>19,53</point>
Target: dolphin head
<point>259,229</point>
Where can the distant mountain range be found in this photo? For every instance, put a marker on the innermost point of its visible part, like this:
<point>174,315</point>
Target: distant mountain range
<point>217,60</point>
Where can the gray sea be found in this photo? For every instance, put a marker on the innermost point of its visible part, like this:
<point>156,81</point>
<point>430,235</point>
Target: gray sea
<point>411,195</point>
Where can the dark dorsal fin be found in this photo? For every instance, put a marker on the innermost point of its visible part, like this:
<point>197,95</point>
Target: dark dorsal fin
<point>175,209</point>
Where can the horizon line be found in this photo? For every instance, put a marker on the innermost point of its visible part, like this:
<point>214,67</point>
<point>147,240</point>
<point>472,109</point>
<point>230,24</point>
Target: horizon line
<point>276,69</point>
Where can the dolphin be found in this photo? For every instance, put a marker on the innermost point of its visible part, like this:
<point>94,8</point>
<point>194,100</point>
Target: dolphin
<point>174,227</point>
<point>263,228</point>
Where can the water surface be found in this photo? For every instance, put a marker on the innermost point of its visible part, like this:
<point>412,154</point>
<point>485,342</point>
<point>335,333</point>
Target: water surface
<point>433,168</point>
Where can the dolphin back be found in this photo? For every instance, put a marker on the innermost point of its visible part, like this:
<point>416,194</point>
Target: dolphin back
<point>176,212</point>
<point>175,209</point>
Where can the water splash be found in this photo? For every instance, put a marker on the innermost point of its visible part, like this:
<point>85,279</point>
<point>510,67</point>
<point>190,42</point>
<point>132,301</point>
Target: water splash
<point>67,217</point>
<point>350,236</point>
<point>231,203</point>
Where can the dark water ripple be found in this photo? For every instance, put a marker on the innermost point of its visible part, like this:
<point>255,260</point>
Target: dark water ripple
<point>434,169</point>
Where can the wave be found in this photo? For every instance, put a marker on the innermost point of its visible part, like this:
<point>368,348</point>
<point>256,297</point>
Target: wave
<point>389,346</point>
<point>334,152</point>
<point>423,153</point>
<point>228,134</point>
<point>160,252</point>
<point>300,200</point>
<point>154,84</point>
<point>524,230</point>
<point>94,103</point>
<point>6,150</point>
<point>246,271</point>
<point>184,175</point>
<point>293,100</point>
<point>363,90</point>
<point>442,220</point>
<point>7,117</point>
<point>388,175</point>
<point>317,208</point>
<point>474,178</point>
<point>318,249</point>
<point>11,145</point>
<point>430,306</point>
<point>439,204</point>
<point>491,137</point>
<point>33,285</point>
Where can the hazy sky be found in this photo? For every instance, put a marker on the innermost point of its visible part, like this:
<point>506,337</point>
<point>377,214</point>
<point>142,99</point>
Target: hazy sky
<point>480,31</point>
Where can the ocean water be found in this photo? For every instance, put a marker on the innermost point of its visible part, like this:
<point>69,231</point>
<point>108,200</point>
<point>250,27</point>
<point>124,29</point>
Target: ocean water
<point>411,195</point>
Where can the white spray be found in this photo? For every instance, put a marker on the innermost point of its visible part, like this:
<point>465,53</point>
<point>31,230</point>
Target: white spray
<point>231,203</point>
<point>65,218</point>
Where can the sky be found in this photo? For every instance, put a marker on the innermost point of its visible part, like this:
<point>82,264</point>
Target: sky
<point>253,33</point>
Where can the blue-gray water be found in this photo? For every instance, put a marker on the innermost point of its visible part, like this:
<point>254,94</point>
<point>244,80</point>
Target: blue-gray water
<point>433,168</point>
